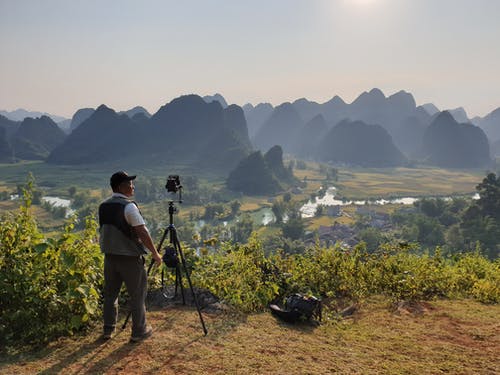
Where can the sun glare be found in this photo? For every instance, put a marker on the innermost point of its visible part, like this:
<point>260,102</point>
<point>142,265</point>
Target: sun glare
<point>361,3</point>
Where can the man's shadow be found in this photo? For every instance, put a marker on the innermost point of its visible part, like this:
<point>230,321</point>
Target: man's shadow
<point>95,347</point>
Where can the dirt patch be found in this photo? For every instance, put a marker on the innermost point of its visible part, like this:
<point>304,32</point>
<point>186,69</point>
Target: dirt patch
<point>412,307</point>
<point>168,297</point>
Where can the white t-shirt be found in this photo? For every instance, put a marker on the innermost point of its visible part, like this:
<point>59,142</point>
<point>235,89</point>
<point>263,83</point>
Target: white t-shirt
<point>131,212</point>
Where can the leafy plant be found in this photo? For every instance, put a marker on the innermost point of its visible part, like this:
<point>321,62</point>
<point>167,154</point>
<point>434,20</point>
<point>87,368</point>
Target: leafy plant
<point>48,287</point>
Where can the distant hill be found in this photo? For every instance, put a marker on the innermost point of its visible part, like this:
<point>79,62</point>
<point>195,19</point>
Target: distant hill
<point>395,113</point>
<point>274,160</point>
<point>490,125</point>
<point>65,125</point>
<point>409,134</point>
<point>103,136</point>
<point>281,128</point>
<point>10,126</point>
<point>189,129</point>
<point>80,116</point>
<point>185,131</point>
<point>459,115</point>
<point>495,149</point>
<point>5,149</point>
<point>36,138</point>
<point>431,108</point>
<point>134,111</point>
<point>216,98</point>
<point>261,175</point>
<point>256,117</point>
<point>450,144</point>
<point>308,138</point>
<point>356,143</point>
<point>307,109</point>
<point>20,114</point>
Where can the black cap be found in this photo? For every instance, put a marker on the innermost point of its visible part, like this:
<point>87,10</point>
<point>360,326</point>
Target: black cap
<point>119,177</point>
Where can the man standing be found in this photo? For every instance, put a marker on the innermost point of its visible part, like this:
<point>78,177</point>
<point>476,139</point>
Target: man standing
<point>124,239</point>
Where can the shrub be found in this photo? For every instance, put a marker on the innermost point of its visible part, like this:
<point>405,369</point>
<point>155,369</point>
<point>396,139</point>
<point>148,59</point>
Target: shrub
<point>47,287</point>
<point>240,275</point>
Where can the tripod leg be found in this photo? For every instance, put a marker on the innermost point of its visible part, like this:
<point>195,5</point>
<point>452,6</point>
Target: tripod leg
<point>178,278</point>
<point>178,247</point>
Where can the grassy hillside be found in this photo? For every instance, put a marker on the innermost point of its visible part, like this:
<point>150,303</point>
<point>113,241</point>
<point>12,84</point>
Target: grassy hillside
<point>440,337</point>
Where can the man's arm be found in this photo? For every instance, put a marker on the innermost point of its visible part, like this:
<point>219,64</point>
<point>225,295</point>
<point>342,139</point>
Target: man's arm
<point>143,234</point>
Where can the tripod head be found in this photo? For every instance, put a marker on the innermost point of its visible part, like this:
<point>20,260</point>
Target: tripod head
<point>173,185</point>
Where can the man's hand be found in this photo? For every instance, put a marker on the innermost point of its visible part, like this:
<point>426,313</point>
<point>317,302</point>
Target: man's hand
<point>157,258</point>
<point>143,234</point>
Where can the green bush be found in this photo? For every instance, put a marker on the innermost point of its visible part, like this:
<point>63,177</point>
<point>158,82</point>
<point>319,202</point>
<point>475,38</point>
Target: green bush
<point>245,278</point>
<point>331,272</point>
<point>404,275</point>
<point>240,275</point>
<point>477,277</point>
<point>48,287</point>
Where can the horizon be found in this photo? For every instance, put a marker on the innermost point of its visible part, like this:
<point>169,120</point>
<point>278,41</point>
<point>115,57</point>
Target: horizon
<point>63,56</point>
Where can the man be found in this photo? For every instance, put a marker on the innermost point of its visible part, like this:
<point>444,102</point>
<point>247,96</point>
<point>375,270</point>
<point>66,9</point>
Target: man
<point>124,239</point>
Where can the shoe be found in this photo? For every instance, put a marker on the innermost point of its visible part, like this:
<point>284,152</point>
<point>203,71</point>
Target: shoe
<point>107,335</point>
<point>145,335</point>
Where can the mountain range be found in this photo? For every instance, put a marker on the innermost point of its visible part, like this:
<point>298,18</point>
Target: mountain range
<point>373,130</point>
<point>30,139</point>
<point>187,131</point>
<point>20,114</point>
<point>398,114</point>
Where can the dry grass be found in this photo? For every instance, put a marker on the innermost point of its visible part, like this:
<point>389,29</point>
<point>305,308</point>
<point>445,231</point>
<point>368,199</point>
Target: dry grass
<point>407,182</point>
<point>446,337</point>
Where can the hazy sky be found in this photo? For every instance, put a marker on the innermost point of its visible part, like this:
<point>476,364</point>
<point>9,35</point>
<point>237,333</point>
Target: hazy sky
<point>61,55</point>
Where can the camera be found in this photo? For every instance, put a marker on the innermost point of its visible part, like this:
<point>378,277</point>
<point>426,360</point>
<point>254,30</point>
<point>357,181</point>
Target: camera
<point>173,183</point>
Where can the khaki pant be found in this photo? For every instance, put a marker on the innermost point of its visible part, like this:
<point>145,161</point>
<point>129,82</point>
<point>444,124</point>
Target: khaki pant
<point>119,269</point>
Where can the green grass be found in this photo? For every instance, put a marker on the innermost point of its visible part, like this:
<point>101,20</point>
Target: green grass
<point>90,176</point>
<point>444,337</point>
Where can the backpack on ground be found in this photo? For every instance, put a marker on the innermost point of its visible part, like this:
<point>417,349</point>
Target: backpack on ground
<point>298,308</point>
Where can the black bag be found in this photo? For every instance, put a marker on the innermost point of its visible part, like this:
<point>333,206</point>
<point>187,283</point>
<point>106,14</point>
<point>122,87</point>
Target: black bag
<point>170,258</point>
<point>298,308</point>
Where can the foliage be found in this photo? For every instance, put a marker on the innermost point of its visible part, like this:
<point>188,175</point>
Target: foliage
<point>240,275</point>
<point>294,228</point>
<point>456,225</point>
<point>242,229</point>
<point>243,276</point>
<point>372,237</point>
<point>48,287</point>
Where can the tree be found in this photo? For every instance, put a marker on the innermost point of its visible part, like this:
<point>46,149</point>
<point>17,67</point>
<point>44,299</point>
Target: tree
<point>489,196</point>
<point>278,209</point>
<point>235,207</point>
<point>431,207</point>
<point>372,237</point>
<point>480,222</point>
<point>212,210</point>
<point>294,228</point>
<point>243,229</point>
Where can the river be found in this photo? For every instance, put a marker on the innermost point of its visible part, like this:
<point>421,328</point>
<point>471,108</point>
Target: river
<point>309,209</point>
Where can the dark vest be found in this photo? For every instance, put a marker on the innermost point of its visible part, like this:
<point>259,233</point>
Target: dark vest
<point>116,235</point>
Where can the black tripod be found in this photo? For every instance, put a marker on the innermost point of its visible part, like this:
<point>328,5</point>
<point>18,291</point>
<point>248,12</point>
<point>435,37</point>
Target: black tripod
<point>171,259</point>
